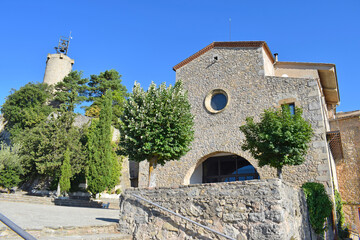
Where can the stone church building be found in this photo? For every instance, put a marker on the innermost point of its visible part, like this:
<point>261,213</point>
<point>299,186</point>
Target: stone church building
<point>226,83</point>
<point>229,81</point>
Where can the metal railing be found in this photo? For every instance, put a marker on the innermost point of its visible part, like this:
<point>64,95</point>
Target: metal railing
<point>185,218</point>
<point>18,230</point>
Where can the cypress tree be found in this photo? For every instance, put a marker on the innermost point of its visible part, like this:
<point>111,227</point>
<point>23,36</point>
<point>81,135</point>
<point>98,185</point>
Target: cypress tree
<point>65,172</point>
<point>103,167</point>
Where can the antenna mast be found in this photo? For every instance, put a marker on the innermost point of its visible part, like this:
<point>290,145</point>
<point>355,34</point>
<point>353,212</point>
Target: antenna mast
<point>229,29</point>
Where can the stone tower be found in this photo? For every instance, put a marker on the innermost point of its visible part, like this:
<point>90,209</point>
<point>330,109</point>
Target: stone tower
<point>58,65</point>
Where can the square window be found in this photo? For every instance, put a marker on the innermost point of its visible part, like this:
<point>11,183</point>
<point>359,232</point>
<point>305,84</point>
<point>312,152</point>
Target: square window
<point>291,106</point>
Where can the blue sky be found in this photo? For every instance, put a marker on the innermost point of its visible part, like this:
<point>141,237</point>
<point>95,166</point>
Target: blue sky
<point>143,40</point>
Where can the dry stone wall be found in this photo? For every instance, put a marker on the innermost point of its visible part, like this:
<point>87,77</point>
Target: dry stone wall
<point>257,209</point>
<point>240,72</point>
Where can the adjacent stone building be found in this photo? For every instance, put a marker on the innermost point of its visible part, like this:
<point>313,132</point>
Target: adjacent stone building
<point>229,81</point>
<point>346,126</point>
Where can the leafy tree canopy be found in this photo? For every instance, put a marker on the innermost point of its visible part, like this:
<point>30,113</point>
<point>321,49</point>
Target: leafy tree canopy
<point>70,92</point>
<point>157,124</point>
<point>279,139</point>
<point>108,80</point>
<point>43,147</point>
<point>99,84</point>
<point>26,107</point>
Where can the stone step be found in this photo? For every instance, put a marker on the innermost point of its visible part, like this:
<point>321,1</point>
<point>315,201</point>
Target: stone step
<point>26,198</point>
<point>113,203</point>
<point>77,203</point>
<point>113,236</point>
<point>31,200</point>
<point>84,232</point>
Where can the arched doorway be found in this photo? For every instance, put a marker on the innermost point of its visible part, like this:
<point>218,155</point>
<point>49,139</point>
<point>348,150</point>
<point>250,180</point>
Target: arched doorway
<point>224,167</point>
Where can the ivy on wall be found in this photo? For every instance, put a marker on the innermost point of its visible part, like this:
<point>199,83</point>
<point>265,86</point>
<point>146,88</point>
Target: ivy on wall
<point>319,205</point>
<point>340,221</point>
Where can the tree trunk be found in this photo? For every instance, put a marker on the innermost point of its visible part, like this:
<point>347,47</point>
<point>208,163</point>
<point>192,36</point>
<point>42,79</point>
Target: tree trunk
<point>279,173</point>
<point>152,176</point>
<point>58,189</point>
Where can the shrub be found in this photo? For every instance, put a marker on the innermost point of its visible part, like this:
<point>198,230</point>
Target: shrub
<point>10,166</point>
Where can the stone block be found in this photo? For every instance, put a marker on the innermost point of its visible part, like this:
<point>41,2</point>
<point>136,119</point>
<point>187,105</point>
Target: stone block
<point>323,167</point>
<point>312,83</point>
<point>323,178</point>
<point>314,106</point>
<point>319,144</point>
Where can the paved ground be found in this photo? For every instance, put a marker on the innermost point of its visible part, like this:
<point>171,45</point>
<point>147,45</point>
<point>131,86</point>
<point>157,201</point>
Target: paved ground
<point>37,216</point>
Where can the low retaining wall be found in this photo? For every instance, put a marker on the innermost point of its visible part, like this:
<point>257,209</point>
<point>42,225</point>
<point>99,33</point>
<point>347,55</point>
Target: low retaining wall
<point>256,209</point>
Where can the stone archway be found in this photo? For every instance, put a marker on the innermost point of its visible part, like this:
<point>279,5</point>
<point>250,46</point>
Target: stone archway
<point>223,167</point>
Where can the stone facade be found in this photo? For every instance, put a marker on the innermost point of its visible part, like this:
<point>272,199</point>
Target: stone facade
<point>241,73</point>
<point>258,209</point>
<point>348,168</point>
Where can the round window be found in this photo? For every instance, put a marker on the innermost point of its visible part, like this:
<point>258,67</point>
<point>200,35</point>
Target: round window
<point>216,100</point>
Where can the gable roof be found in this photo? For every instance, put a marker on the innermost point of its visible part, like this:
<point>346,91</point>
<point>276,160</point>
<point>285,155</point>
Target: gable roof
<point>239,44</point>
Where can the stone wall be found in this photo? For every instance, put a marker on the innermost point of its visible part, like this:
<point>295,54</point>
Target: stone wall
<point>257,209</point>
<point>58,66</point>
<point>240,72</point>
<point>2,123</point>
<point>4,135</point>
<point>348,168</point>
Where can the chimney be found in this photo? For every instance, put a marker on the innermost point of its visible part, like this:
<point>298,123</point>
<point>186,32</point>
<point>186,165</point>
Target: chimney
<point>276,57</point>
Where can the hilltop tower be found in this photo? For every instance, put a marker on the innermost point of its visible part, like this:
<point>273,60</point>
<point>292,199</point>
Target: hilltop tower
<point>58,65</point>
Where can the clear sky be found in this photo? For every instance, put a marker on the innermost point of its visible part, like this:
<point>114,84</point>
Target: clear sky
<point>143,40</point>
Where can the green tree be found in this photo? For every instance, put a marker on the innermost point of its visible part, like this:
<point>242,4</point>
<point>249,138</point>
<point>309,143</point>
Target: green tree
<point>103,168</point>
<point>65,173</point>
<point>157,125</point>
<point>319,205</point>
<point>279,139</point>
<point>26,107</point>
<point>70,92</point>
<point>98,85</point>
<point>10,166</point>
<point>43,147</point>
